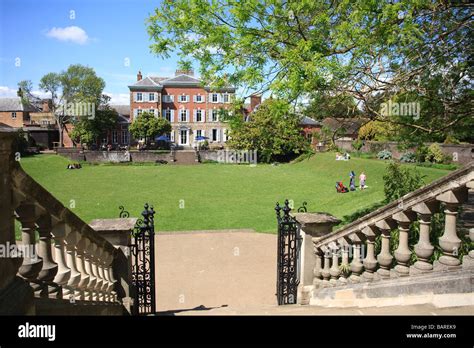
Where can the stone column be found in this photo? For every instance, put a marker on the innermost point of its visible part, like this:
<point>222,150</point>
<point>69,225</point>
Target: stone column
<point>318,267</point>
<point>423,249</point>
<point>385,257</point>
<point>81,247</point>
<point>449,241</point>
<point>326,273</point>
<point>345,272</point>
<point>356,264</point>
<point>95,269</point>
<point>334,271</point>
<point>75,277</point>
<point>403,252</point>
<point>59,232</point>
<point>313,226</point>
<point>50,268</point>
<point>32,264</point>
<point>370,262</point>
<point>16,296</point>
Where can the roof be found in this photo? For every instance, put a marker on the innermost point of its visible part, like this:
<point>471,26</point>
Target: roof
<point>14,104</point>
<point>350,125</point>
<point>308,121</point>
<point>123,110</point>
<point>157,83</point>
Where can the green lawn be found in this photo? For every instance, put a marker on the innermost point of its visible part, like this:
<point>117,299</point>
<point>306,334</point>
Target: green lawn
<point>215,196</point>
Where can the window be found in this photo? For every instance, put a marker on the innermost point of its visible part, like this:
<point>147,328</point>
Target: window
<point>225,135</point>
<point>183,115</point>
<point>114,136</point>
<point>199,133</point>
<point>124,137</point>
<point>183,139</point>
<point>152,111</point>
<point>139,97</point>
<point>199,98</point>
<point>198,115</point>
<point>214,115</point>
<point>215,97</point>
<point>168,99</point>
<point>226,98</point>
<point>151,97</point>
<point>214,135</point>
<point>167,114</point>
<point>14,115</point>
<point>139,112</point>
<point>183,98</point>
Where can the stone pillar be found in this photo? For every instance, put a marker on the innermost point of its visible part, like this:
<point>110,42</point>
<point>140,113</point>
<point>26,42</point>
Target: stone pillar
<point>70,245</point>
<point>356,264</point>
<point>16,296</point>
<point>318,267</point>
<point>90,259</point>
<point>345,272</point>
<point>370,262</point>
<point>326,273</point>
<point>59,232</point>
<point>335,271</point>
<point>468,260</point>
<point>95,269</point>
<point>32,264</point>
<point>424,249</point>
<point>313,226</point>
<point>449,241</point>
<point>50,268</point>
<point>385,257</point>
<point>81,246</point>
<point>403,252</point>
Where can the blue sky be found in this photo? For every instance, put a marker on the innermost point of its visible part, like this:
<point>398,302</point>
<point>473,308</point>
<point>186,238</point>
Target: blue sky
<point>38,37</point>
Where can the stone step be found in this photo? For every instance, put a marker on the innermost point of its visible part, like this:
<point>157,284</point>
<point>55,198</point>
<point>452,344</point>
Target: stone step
<point>185,157</point>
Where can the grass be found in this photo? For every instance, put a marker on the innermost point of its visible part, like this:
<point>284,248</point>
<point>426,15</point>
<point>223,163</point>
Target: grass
<point>211,196</point>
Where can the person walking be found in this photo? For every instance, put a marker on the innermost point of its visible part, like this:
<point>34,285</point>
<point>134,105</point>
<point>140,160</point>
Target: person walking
<point>352,181</point>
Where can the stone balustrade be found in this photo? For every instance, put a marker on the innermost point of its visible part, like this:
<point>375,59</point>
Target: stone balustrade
<point>393,274</point>
<point>71,262</point>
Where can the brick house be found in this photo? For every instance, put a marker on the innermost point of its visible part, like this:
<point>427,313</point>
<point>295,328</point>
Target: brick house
<point>191,108</point>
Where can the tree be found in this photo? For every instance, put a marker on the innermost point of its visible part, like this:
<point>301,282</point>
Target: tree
<point>273,131</point>
<point>148,126</point>
<point>77,84</point>
<point>87,130</point>
<point>412,50</point>
<point>185,65</point>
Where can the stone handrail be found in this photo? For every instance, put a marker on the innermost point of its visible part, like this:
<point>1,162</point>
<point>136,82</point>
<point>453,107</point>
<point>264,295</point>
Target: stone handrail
<point>71,261</point>
<point>342,258</point>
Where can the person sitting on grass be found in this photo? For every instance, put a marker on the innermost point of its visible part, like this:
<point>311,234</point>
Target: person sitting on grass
<point>340,188</point>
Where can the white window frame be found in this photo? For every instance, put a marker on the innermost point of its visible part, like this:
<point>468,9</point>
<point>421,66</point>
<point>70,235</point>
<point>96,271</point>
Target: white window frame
<point>199,133</point>
<point>199,115</point>
<point>181,115</point>
<point>151,97</point>
<point>216,111</point>
<point>124,137</point>
<point>167,114</point>
<point>180,98</point>
<point>201,97</point>
<point>226,96</point>
<point>14,115</point>
<point>181,138</point>
<point>212,134</point>
<point>139,112</point>
<point>167,98</point>
<point>139,97</point>
<point>217,98</point>
<point>114,136</point>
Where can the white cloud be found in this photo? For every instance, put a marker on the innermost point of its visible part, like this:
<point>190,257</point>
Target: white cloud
<point>72,34</point>
<point>6,92</point>
<point>119,98</point>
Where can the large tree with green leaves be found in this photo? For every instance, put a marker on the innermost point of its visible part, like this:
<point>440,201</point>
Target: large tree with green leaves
<point>77,84</point>
<point>413,50</point>
<point>273,131</point>
<point>147,126</point>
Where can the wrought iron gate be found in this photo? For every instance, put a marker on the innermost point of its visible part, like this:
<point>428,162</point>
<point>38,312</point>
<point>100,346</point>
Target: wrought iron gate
<point>288,256</point>
<point>142,249</point>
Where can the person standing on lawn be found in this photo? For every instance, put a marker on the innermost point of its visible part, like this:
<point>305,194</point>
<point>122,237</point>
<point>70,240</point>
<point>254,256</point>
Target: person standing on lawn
<point>362,179</point>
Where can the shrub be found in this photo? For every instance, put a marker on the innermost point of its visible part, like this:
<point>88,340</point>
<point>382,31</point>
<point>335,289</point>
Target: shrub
<point>408,157</point>
<point>450,139</point>
<point>384,155</point>
<point>357,144</point>
<point>421,153</point>
<point>399,181</point>
<point>434,154</point>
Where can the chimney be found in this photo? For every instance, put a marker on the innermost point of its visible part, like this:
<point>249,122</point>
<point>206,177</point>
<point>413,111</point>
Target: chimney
<point>255,100</point>
<point>46,105</point>
<point>139,75</point>
<point>185,72</point>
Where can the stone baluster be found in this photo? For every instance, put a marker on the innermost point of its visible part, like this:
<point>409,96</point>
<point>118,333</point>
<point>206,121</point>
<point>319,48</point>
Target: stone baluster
<point>81,247</point>
<point>403,252</point>
<point>105,287</point>
<point>468,260</point>
<point>72,289</point>
<point>326,273</point>
<point>59,232</point>
<point>318,268</point>
<point>385,258</point>
<point>334,270</point>
<point>449,241</point>
<point>356,264</point>
<point>96,268</point>
<point>101,267</point>
<point>50,268</point>
<point>112,280</point>
<point>345,246</point>
<point>32,263</point>
<point>424,249</point>
<point>370,262</point>
<point>88,259</point>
